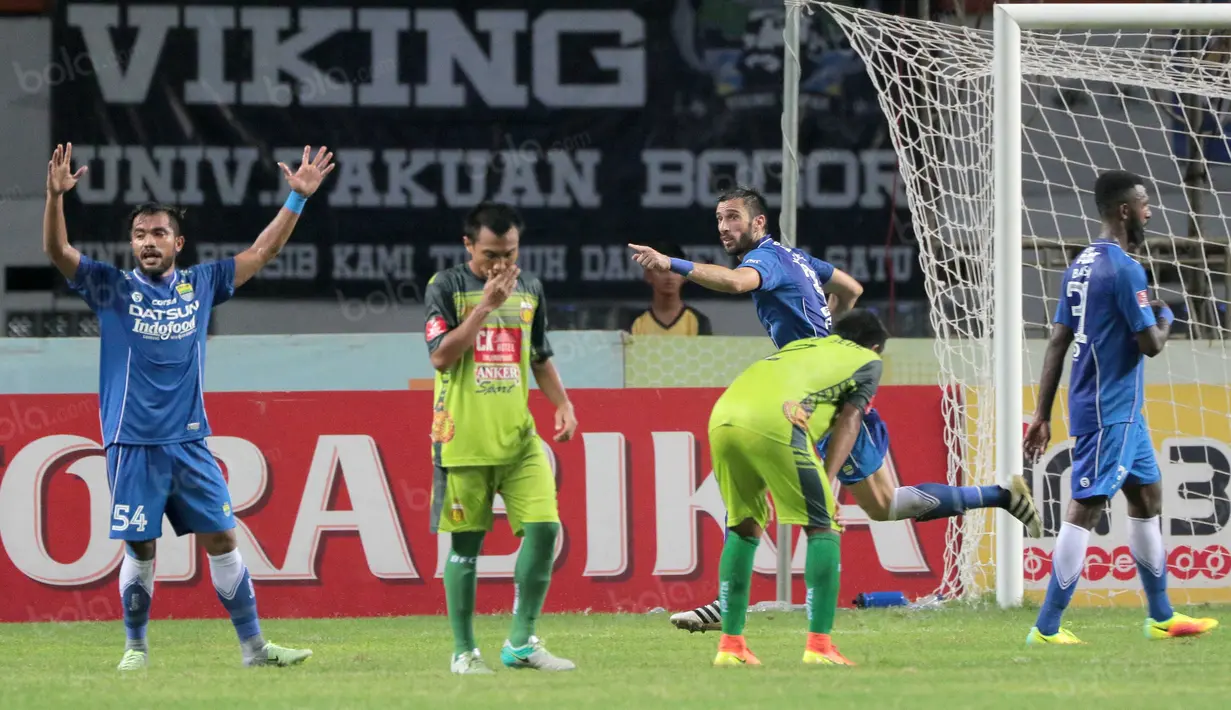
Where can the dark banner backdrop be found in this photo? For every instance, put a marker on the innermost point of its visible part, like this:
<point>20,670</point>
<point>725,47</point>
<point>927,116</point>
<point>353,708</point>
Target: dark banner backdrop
<point>613,123</point>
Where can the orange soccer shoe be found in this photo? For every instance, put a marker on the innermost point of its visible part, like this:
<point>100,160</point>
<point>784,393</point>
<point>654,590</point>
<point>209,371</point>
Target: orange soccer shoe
<point>821,651</point>
<point>733,651</point>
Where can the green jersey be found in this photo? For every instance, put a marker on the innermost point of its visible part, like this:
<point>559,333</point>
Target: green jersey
<point>481,417</point>
<point>803,384</point>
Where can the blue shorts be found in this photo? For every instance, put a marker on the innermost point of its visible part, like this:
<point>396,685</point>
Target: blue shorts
<point>1107,459</point>
<point>869,452</point>
<point>182,481</point>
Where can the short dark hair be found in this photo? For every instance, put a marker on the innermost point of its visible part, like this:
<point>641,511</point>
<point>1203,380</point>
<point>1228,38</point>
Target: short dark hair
<point>496,216</point>
<point>1112,189</point>
<point>175,215</point>
<point>862,327</point>
<point>754,201</point>
<point>670,250</point>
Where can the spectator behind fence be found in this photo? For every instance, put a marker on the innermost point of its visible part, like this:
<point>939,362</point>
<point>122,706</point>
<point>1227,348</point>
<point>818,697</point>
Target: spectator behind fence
<point>667,314</point>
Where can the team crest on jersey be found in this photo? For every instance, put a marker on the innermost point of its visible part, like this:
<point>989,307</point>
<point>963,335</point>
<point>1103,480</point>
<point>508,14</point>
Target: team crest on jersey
<point>136,297</point>
<point>527,312</point>
<point>796,413</point>
<point>442,425</point>
<point>184,289</point>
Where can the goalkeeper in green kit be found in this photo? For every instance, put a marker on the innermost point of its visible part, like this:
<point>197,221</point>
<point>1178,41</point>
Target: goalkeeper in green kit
<point>486,331</point>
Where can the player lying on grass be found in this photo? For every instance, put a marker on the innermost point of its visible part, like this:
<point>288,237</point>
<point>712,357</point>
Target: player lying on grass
<point>1106,314</point>
<point>153,322</point>
<point>795,295</point>
<point>486,332</point>
<point>762,435</point>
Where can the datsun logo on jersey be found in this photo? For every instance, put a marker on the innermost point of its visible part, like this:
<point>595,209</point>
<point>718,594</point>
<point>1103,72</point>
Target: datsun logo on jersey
<point>164,323</point>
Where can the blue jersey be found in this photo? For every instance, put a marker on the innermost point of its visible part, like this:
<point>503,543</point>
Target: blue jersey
<point>152,349</point>
<point>790,301</point>
<point>1105,303</point>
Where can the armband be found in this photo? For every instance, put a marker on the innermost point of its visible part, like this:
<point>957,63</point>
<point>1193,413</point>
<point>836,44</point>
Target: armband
<point>295,202</point>
<point>682,266</point>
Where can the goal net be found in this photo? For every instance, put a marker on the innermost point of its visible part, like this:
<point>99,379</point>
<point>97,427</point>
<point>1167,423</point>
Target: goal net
<point>1155,102</point>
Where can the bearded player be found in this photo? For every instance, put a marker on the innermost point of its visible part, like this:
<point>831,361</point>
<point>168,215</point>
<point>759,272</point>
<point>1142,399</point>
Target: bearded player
<point>1106,314</point>
<point>153,322</point>
<point>486,332</point>
<point>796,296</point>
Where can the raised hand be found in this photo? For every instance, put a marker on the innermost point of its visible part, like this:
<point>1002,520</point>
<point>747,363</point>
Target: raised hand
<point>311,172</point>
<point>60,175</point>
<point>649,259</point>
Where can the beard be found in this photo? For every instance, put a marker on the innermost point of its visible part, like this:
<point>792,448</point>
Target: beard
<point>1135,230</point>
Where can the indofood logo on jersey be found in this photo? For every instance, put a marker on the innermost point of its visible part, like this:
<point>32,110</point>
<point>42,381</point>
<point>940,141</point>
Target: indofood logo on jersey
<point>164,323</point>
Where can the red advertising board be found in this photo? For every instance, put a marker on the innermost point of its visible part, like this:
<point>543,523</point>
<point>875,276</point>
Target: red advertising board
<point>332,492</point>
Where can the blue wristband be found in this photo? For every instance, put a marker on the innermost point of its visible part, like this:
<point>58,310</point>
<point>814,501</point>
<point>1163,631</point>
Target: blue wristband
<point>682,267</point>
<point>295,202</point>
<point>1166,313</point>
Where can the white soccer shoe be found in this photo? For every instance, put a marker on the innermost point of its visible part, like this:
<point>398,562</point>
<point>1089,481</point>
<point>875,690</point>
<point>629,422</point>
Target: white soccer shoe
<point>703,618</point>
<point>470,664</point>
<point>133,660</point>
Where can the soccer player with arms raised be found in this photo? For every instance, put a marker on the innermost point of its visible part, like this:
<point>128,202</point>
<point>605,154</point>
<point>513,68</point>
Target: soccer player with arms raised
<point>153,322</point>
<point>486,331</point>
<point>1106,314</point>
<point>796,296</point>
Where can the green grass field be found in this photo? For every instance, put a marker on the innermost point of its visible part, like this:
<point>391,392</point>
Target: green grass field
<point>955,658</point>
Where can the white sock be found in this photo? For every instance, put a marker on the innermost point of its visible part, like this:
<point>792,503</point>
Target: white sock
<point>1069,555</point>
<point>226,570</point>
<point>141,571</point>
<point>909,503</point>
<point>1145,541</point>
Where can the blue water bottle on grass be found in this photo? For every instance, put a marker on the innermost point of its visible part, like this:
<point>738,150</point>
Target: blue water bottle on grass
<point>869,600</point>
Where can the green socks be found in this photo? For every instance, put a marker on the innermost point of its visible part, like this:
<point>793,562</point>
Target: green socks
<point>735,581</point>
<point>822,576</point>
<point>460,583</point>
<point>531,578</point>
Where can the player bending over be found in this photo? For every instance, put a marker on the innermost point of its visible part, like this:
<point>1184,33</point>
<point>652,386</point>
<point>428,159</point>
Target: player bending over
<point>1105,313</point>
<point>795,295</point>
<point>153,322</point>
<point>762,437</point>
<point>486,332</point>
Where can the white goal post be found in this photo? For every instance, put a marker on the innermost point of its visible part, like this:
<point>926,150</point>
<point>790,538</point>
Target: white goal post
<point>953,96</point>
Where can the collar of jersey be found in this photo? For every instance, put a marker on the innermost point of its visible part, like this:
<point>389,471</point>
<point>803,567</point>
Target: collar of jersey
<point>175,276</point>
<point>765,239</point>
<point>1106,243</point>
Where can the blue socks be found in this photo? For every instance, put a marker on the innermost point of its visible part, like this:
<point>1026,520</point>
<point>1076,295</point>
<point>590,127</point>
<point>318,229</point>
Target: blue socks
<point>1067,560</point>
<point>234,587</point>
<point>933,501</point>
<point>1145,540</point>
<point>136,595</point>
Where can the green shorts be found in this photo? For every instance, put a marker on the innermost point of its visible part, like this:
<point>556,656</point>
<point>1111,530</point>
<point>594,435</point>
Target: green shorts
<point>748,464</point>
<point>462,496</point>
